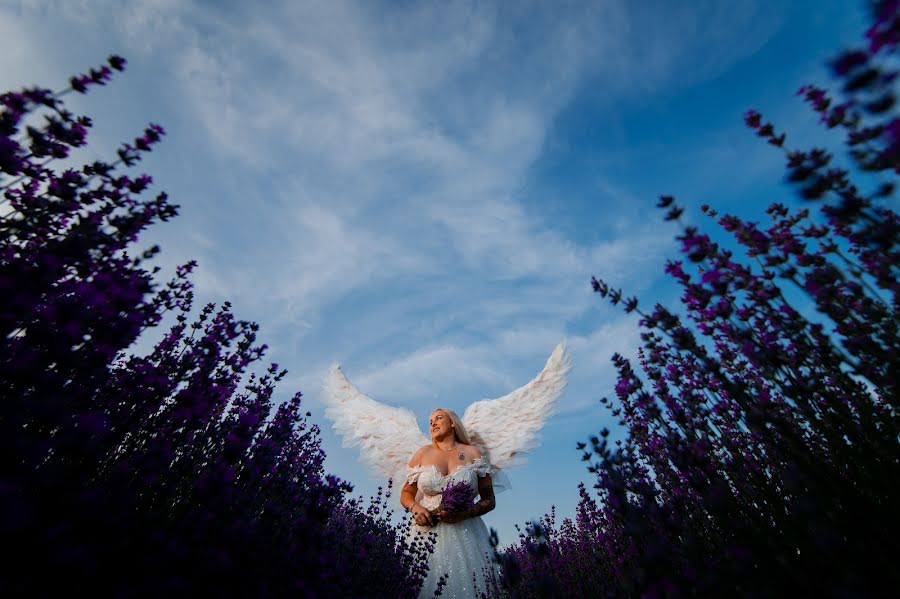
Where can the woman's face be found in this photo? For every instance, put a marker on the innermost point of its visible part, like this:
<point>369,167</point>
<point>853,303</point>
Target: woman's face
<point>439,424</point>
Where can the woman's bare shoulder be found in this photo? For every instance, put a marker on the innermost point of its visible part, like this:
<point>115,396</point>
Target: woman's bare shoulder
<point>416,460</point>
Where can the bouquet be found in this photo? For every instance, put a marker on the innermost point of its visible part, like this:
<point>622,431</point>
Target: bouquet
<point>456,497</point>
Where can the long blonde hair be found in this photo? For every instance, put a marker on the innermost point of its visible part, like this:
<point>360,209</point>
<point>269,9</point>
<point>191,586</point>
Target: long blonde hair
<point>459,431</point>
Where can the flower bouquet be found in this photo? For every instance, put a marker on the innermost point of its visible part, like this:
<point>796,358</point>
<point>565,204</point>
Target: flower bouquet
<point>456,497</point>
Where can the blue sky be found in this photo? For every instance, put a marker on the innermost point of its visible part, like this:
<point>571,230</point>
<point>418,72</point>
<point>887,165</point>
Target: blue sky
<point>421,191</point>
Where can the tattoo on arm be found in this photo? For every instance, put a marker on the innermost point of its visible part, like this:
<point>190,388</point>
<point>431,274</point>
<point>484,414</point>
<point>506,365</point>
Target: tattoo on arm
<point>483,505</point>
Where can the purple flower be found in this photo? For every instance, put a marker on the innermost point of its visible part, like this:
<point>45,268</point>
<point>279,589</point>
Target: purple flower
<point>165,449</point>
<point>117,62</point>
<point>11,160</point>
<point>456,497</point>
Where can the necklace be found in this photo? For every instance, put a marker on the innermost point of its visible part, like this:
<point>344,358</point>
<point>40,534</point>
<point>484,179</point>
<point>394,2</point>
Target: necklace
<point>461,457</point>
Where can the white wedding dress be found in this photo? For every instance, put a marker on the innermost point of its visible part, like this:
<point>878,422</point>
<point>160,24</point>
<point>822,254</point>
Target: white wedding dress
<point>462,551</point>
<point>388,435</point>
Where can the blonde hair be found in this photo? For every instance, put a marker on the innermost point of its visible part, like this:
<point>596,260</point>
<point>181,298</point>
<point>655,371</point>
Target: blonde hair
<point>459,431</point>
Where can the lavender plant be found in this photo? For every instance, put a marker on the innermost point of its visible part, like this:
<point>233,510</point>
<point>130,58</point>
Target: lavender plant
<point>148,474</point>
<point>761,454</point>
<point>456,497</point>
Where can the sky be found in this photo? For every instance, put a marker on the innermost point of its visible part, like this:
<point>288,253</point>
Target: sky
<point>421,191</point>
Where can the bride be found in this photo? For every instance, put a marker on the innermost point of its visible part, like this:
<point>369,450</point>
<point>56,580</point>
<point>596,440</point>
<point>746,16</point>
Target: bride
<point>462,550</point>
<point>492,435</point>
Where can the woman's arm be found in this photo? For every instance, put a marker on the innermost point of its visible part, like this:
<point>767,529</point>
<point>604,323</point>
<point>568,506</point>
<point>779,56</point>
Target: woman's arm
<point>408,501</point>
<point>486,501</point>
<point>408,497</point>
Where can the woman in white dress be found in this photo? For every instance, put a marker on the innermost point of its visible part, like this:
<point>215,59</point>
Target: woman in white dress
<point>475,450</point>
<point>462,550</point>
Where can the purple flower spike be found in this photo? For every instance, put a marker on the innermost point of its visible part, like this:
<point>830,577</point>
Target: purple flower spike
<point>457,497</point>
<point>117,62</point>
<point>759,426</point>
<point>179,461</point>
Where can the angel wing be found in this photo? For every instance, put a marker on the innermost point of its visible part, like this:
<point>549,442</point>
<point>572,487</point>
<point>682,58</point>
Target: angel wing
<point>510,425</point>
<point>386,436</point>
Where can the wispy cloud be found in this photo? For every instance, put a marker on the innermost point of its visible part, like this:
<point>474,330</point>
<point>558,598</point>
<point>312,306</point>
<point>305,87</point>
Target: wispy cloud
<point>355,176</point>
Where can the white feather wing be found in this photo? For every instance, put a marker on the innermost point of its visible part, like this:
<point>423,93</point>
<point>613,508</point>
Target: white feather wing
<point>509,426</point>
<point>386,436</point>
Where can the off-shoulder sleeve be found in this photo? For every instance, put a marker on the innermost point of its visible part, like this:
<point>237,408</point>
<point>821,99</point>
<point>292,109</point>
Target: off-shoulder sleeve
<point>499,479</point>
<point>413,472</point>
<point>482,467</point>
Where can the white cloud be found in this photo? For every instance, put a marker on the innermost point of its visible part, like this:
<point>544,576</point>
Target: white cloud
<point>355,180</point>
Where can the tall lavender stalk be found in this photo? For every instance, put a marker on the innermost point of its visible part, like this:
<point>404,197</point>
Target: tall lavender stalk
<point>763,441</point>
<point>159,473</point>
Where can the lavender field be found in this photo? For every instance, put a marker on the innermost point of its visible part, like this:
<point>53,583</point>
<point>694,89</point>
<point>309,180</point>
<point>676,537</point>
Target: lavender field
<point>758,443</point>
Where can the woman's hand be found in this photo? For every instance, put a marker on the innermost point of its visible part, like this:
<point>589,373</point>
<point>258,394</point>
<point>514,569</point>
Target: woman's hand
<point>452,517</point>
<point>421,515</point>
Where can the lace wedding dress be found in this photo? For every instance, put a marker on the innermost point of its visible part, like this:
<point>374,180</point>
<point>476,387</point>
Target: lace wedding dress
<point>462,551</point>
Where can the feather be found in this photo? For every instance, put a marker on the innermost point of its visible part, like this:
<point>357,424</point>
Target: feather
<point>509,426</point>
<point>386,436</point>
